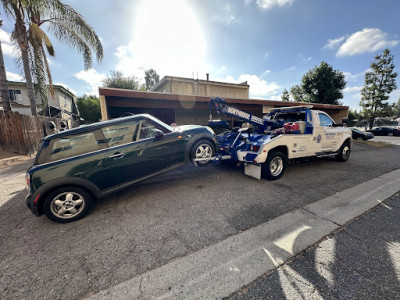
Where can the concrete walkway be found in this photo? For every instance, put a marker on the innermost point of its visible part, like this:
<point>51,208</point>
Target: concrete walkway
<point>223,268</point>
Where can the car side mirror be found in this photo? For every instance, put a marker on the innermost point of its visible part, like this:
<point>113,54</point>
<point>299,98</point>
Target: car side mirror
<point>158,133</point>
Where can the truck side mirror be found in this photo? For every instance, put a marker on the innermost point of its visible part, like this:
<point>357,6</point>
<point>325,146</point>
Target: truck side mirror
<point>345,121</point>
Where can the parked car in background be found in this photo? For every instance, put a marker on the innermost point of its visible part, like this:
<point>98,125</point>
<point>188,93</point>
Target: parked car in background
<point>385,131</point>
<point>74,167</point>
<point>358,134</point>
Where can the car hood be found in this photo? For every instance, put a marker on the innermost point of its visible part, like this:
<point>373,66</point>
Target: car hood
<point>194,128</point>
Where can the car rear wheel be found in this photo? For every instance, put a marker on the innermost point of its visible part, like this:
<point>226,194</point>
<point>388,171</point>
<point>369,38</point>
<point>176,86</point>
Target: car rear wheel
<point>67,204</point>
<point>274,166</point>
<point>344,152</point>
<point>202,149</point>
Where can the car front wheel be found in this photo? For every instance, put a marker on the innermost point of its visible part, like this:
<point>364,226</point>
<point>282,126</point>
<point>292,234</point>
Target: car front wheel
<point>67,204</point>
<point>202,149</point>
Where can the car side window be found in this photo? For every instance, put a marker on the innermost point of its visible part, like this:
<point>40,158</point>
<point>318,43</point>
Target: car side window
<point>73,145</point>
<point>120,134</point>
<point>147,129</point>
<point>325,120</point>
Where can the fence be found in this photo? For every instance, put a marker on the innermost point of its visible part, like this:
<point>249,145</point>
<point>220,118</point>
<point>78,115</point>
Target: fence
<point>22,133</point>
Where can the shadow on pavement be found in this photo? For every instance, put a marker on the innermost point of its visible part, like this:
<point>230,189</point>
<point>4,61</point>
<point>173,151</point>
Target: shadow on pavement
<point>362,261</point>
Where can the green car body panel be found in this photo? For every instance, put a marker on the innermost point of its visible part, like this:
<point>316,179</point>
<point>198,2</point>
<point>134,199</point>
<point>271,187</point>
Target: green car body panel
<point>108,169</point>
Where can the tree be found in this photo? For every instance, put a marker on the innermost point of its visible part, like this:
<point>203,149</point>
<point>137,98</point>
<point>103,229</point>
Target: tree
<point>285,95</point>
<point>116,80</point>
<point>3,81</point>
<point>396,109</point>
<point>298,94</point>
<point>151,78</point>
<point>323,84</point>
<point>89,108</point>
<point>379,83</point>
<point>67,25</point>
<point>16,10</point>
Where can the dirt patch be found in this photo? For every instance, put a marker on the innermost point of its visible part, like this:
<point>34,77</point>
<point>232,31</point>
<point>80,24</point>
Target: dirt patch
<point>7,154</point>
<point>374,143</point>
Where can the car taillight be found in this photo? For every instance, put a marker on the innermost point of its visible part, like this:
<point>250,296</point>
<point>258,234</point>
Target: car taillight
<point>27,182</point>
<point>255,148</point>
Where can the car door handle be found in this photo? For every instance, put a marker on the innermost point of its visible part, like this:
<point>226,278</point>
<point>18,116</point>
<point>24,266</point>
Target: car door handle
<point>117,155</point>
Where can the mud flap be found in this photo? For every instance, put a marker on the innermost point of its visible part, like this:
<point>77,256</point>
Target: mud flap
<point>252,170</point>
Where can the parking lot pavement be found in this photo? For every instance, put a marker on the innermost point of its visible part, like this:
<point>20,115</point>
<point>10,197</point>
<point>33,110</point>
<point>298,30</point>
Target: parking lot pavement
<point>218,270</point>
<point>395,140</point>
<point>361,261</point>
<point>160,220</point>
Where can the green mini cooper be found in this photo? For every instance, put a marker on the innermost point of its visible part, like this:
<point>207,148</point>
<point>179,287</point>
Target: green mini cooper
<point>74,167</point>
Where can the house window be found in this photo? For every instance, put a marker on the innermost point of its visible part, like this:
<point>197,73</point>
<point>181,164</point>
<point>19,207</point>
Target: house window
<point>14,95</point>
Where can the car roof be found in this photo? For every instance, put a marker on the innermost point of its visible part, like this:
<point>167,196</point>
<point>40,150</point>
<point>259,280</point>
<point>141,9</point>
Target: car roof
<point>95,126</point>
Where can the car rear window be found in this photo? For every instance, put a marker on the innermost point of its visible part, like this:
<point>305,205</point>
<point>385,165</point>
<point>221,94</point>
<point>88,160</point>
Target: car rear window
<point>68,146</point>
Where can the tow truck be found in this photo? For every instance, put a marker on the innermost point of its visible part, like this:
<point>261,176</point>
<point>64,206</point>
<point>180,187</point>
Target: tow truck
<point>265,146</point>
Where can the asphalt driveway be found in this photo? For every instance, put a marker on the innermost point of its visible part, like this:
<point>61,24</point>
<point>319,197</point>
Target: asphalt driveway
<point>158,220</point>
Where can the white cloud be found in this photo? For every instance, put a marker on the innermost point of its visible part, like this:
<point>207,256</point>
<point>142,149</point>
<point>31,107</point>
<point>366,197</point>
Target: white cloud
<point>265,73</point>
<point>352,89</point>
<point>14,77</point>
<point>268,4</point>
<point>93,78</point>
<point>259,88</point>
<point>366,40</point>
<point>5,36</point>
<point>334,43</point>
<point>6,44</point>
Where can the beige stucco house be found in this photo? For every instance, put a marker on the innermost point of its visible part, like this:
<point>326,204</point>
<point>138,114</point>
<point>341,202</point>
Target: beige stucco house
<point>62,106</point>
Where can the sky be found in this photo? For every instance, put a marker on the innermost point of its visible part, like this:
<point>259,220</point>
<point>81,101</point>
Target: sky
<point>270,44</point>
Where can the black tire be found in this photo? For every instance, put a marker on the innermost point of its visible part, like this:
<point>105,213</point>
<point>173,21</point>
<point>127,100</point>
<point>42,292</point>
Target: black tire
<point>67,204</point>
<point>202,149</point>
<point>344,152</point>
<point>274,166</point>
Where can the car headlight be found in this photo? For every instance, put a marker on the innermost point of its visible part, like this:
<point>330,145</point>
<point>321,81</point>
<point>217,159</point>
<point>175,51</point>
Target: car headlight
<point>27,182</point>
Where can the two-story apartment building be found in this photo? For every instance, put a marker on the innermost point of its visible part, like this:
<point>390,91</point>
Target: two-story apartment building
<point>62,106</point>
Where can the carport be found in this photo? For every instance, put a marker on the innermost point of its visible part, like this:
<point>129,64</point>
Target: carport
<point>189,109</point>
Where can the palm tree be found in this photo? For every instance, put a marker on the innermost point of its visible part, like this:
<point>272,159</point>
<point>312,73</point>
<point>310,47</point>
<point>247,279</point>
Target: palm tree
<point>3,81</point>
<point>67,25</point>
<point>16,10</point>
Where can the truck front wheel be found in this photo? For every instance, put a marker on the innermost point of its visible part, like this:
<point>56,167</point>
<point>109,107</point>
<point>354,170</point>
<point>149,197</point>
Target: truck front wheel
<point>344,152</point>
<point>274,166</point>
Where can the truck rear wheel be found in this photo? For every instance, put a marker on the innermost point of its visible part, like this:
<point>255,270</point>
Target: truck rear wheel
<point>274,166</point>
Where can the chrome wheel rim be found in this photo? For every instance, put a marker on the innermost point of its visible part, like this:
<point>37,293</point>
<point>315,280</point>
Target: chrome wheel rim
<point>67,205</point>
<point>346,152</point>
<point>203,151</point>
<point>276,166</point>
